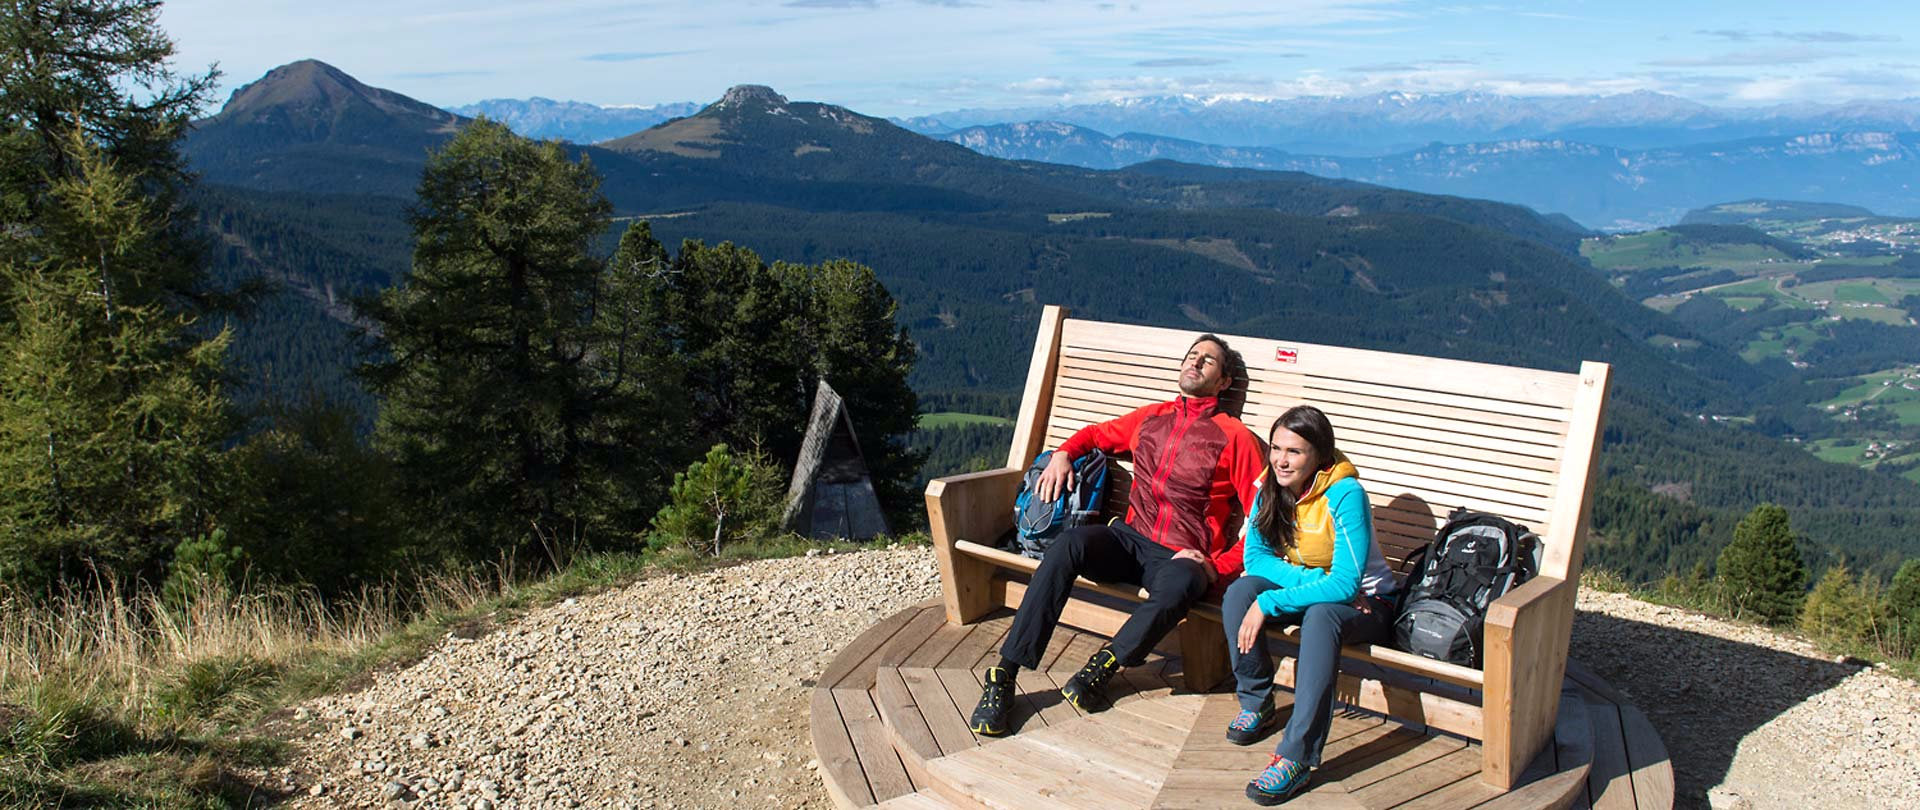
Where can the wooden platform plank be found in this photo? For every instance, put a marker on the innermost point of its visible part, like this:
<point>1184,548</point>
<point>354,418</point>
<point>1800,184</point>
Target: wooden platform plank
<point>908,641</point>
<point>1465,792</point>
<point>1062,639</point>
<point>1111,746</point>
<point>886,774</point>
<point>923,800</point>
<point>986,635</point>
<point>1027,774</point>
<point>1166,721</point>
<point>855,663</point>
<point>1610,782</point>
<point>1363,757</point>
<point>1404,781</point>
<point>1055,680</point>
<point>1033,697</point>
<point>839,766</point>
<point>903,719</point>
<point>1175,712</point>
<point>1412,759</point>
<point>1044,689</point>
<point>1647,756</point>
<point>936,647</point>
<point>963,690</point>
<point>944,720</point>
<point>1083,647</point>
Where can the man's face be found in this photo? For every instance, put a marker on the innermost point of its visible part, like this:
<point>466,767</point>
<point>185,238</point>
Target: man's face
<point>1204,372</point>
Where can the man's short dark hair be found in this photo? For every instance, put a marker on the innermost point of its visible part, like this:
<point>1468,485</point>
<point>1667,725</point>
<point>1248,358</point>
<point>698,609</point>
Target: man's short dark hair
<point>1236,366</point>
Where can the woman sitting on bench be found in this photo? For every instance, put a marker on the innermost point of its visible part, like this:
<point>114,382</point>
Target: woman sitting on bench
<point>1310,558</point>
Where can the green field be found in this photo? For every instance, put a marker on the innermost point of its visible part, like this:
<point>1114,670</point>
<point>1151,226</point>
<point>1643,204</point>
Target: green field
<point>1774,342</point>
<point>933,421</point>
<point>1662,248</point>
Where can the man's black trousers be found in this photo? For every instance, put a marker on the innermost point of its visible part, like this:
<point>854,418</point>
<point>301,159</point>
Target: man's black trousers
<point>1107,554</point>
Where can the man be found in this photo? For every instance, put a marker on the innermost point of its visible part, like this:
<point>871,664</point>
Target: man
<point>1190,462</point>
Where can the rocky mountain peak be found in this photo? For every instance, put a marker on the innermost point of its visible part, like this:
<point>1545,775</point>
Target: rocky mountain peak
<point>751,95</point>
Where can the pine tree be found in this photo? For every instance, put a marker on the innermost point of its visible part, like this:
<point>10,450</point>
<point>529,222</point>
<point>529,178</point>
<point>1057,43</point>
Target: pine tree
<point>756,339</point>
<point>1903,605</point>
<point>1760,572</point>
<point>519,402</point>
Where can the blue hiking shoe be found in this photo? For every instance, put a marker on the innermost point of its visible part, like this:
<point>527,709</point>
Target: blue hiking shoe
<point>1278,783</point>
<point>1248,727</point>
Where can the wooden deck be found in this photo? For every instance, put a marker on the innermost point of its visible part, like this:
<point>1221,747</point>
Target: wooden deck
<point>889,725</point>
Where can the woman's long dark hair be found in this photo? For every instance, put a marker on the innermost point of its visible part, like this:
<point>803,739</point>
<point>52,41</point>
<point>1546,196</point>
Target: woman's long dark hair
<point>1275,518</point>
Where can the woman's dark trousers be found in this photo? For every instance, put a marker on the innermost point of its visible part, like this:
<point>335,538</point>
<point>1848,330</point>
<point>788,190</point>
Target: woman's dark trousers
<point>1117,554</point>
<point>1323,628</point>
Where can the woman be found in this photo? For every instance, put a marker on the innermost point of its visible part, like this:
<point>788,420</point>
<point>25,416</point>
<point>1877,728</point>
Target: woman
<point>1310,558</point>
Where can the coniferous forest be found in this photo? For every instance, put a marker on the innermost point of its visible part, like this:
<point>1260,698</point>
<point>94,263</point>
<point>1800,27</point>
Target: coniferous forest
<point>317,299</point>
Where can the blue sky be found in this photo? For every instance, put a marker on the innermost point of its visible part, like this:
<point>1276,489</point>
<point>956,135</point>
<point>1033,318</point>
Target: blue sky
<point>908,57</point>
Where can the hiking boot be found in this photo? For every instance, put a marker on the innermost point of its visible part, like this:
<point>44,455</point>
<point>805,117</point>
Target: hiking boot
<point>1248,727</point>
<point>1087,689</point>
<point>996,703</point>
<point>1278,783</point>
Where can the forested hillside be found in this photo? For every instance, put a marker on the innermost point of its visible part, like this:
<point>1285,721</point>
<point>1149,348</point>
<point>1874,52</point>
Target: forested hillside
<point>971,247</point>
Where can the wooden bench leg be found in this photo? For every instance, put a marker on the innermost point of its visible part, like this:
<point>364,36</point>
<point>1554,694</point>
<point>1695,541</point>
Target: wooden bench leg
<point>1203,650</point>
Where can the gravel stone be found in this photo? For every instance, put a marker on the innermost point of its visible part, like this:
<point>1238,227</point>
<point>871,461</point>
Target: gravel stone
<point>692,691</point>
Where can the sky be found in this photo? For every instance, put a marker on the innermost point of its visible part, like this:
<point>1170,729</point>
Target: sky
<point>915,57</point>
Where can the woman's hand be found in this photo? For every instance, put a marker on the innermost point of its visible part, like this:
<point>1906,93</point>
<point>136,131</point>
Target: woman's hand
<point>1250,628</point>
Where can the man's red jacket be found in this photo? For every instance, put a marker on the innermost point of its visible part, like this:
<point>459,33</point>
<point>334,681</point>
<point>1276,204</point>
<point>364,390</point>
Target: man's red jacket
<point>1189,462</point>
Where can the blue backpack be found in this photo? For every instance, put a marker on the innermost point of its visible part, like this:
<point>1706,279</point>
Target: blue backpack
<point>1037,523</point>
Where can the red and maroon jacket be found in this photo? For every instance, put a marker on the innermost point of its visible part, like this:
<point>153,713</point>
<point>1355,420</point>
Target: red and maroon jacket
<point>1189,464</point>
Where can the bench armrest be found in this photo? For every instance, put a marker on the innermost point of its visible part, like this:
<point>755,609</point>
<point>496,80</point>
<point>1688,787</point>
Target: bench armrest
<point>1527,633</point>
<point>977,507</point>
<point>973,506</point>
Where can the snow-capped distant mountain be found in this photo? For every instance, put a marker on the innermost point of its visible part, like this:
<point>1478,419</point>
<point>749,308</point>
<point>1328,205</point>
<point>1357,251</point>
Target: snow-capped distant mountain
<point>1386,123</point>
<point>574,121</point>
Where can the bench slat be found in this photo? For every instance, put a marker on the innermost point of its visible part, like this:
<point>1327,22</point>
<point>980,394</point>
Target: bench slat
<point>1164,369</point>
<point>1439,374</point>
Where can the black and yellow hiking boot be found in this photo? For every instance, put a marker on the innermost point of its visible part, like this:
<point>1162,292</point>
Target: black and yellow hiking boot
<point>996,702</point>
<point>1087,689</point>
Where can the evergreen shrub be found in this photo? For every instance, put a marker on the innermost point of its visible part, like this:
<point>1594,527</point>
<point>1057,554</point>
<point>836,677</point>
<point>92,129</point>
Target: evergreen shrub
<point>718,501</point>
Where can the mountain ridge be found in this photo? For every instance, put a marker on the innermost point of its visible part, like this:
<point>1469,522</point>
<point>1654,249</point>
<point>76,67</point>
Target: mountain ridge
<point>1600,186</point>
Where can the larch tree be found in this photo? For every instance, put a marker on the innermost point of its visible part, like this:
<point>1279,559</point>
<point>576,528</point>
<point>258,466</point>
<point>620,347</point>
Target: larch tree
<point>111,408</point>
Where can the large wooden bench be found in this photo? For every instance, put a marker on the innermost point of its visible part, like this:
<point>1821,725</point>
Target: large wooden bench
<point>1428,435</point>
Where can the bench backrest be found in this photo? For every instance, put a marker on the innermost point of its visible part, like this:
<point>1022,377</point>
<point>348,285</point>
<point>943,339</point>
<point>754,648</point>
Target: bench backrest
<point>1427,434</point>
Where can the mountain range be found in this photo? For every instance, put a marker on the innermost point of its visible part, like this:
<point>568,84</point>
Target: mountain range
<point>1606,187</point>
<point>306,172</point>
<point>1389,123</point>
<point>1622,162</point>
<point>573,121</point>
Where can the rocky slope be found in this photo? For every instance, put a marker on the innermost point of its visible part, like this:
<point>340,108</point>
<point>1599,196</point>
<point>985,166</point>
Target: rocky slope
<point>691,691</point>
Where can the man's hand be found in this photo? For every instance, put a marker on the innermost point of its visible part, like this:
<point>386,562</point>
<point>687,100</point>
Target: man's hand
<point>1056,479</point>
<point>1205,564</point>
<point>1250,628</point>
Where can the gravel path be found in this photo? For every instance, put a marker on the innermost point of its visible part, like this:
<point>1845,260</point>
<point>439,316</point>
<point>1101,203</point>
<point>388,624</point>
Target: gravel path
<point>1752,718</point>
<point>691,691</point>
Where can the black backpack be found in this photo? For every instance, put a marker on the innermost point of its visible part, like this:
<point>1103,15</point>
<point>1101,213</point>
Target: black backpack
<point>1036,523</point>
<point>1475,559</point>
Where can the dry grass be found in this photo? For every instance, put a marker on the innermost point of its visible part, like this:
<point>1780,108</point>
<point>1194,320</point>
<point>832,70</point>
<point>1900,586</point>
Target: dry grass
<point>124,699</point>
<point>133,647</point>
